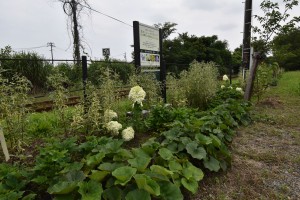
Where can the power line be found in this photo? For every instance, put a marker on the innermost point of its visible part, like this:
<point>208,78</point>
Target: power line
<point>106,15</point>
<point>32,47</point>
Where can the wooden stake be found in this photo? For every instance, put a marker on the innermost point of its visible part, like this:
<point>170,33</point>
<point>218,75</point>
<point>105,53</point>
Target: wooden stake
<point>3,145</point>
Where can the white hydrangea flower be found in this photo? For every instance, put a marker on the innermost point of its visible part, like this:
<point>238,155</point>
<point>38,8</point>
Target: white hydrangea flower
<point>128,133</point>
<point>113,127</point>
<point>225,78</point>
<point>239,90</point>
<point>230,87</point>
<point>109,115</point>
<point>222,86</point>
<point>137,94</point>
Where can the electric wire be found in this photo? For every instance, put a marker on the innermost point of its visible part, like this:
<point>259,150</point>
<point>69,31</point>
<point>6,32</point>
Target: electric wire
<point>106,15</point>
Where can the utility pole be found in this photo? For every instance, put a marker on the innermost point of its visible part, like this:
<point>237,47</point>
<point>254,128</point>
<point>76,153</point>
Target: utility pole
<point>247,35</point>
<point>51,44</point>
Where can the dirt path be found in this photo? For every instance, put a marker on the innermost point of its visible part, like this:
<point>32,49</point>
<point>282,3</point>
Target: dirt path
<point>266,155</point>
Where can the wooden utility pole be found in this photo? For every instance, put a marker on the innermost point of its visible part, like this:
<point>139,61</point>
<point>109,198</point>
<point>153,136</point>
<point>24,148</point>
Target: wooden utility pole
<point>249,87</point>
<point>51,44</point>
<point>76,37</point>
<point>247,35</point>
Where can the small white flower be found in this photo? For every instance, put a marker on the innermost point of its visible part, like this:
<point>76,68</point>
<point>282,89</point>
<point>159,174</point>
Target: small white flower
<point>109,115</point>
<point>128,134</point>
<point>222,86</point>
<point>230,87</point>
<point>225,78</point>
<point>113,127</point>
<point>137,95</point>
<point>239,90</point>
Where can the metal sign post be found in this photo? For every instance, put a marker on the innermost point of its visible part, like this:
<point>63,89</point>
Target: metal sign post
<point>148,51</point>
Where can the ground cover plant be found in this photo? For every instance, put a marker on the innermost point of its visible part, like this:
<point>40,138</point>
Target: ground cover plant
<point>154,150</point>
<point>265,154</point>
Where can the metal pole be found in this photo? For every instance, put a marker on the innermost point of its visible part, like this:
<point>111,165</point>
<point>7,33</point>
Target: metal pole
<point>136,40</point>
<point>84,81</point>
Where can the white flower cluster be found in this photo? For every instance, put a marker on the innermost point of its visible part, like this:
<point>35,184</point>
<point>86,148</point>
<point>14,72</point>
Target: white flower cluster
<point>222,86</point>
<point>113,127</point>
<point>128,133</point>
<point>239,90</point>
<point>137,94</point>
<point>110,115</point>
<point>225,78</point>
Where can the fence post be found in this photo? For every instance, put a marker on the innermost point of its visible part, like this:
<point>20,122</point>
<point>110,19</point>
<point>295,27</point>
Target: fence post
<point>163,81</point>
<point>84,81</point>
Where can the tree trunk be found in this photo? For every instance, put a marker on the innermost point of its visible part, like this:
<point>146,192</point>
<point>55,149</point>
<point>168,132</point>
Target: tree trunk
<point>76,41</point>
<point>250,82</point>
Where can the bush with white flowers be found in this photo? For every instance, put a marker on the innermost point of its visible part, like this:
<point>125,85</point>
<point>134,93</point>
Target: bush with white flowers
<point>113,127</point>
<point>239,90</point>
<point>225,78</point>
<point>137,95</point>
<point>128,134</point>
<point>110,115</point>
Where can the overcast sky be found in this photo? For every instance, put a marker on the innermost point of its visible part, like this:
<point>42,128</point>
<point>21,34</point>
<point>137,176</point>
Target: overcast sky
<point>34,23</point>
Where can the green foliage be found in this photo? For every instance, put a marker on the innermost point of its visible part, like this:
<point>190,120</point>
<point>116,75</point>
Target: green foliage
<point>199,84</point>
<point>273,22</point>
<point>98,69</point>
<point>101,167</point>
<point>28,65</point>
<point>184,49</point>
<point>285,48</point>
<point>13,107</point>
<point>266,75</point>
<point>150,85</point>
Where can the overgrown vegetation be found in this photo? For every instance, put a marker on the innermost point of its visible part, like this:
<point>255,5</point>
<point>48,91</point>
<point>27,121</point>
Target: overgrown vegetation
<point>103,153</point>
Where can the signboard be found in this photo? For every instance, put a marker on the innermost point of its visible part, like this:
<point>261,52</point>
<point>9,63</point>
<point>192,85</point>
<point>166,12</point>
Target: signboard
<point>147,45</point>
<point>106,52</point>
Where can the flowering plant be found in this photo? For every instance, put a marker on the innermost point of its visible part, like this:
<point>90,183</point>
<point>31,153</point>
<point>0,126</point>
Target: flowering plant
<point>113,127</point>
<point>225,77</point>
<point>137,95</point>
<point>110,115</point>
<point>128,134</point>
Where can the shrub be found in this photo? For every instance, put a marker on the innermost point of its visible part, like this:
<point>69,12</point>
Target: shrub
<point>200,83</point>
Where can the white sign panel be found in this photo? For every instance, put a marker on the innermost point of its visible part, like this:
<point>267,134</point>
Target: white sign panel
<point>149,46</point>
<point>149,38</point>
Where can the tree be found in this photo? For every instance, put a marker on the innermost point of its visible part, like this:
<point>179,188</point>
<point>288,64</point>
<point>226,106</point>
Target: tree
<point>30,65</point>
<point>183,49</point>
<point>167,29</point>
<point>273,22</point>
<point>286,49</point>
<point>73,8</point>
<point>236,59</point>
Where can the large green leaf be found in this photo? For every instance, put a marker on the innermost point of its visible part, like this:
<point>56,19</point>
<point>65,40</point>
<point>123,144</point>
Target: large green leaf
<point>63,187</point>
<point>123,155</point>
<point>195,151</point>
<point>95,159</point>
<point>113,193</point>
<point>203,139</point>
<point>160,170</point>
<point>29,197</point>
<point>175,166</point>
<point>146,183</point>
<point>123,174</point>
<point>98,175</point>
<point>169,191</point>
<point>90,190</point>
<point>191,184</point>
<point>191,172</point>
<point>110,166</point>
<point>212,164</point>
<point>215,140</point>
<point>74,176</point>
<point>138,195</point>
<point>165,153</point>
<point>141,161</point>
